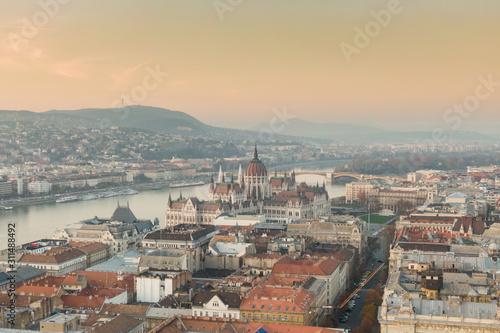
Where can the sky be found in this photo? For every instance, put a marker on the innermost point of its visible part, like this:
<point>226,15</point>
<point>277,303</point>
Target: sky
<point>391,64</point>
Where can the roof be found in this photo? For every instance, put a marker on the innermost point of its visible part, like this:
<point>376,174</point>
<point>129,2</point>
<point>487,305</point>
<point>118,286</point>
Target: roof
<point>278,298</point>
<point>282,328</point>
<point>139,310</point>
<point>24,273</point>
<point>83,302</point>
<point>88,248</point>
<point>123,214</point>
<point>54,257</point>
<point>181,324</point>
<point>22,301</point>
<point>424,247</point>
<point>255,168</point>
<point>182,232</point>
<point>38,290</point>
<point>108,279</point>
<point>233,300</point>
<point>119,324</point>
<point>306,267</point>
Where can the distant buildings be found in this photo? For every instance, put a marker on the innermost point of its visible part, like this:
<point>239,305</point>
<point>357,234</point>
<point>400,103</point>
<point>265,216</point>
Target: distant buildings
<point>279,199</point>
<point>343,230</point>
<point>122,232</point>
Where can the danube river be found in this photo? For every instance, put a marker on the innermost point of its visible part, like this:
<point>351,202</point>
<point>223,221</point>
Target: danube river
<point>40,221</point>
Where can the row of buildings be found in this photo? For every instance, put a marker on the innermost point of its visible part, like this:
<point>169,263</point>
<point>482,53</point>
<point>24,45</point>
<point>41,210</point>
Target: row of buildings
<point>280,199</point>
<point>443,276</point>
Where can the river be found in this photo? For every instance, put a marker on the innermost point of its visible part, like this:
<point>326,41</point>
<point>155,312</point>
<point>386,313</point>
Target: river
<point>38,221</point>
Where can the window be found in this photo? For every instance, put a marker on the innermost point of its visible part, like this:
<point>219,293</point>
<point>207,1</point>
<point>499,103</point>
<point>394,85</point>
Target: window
<point>279,306</point>
<point>256,316</point>
<point>261,316</point>
<point>274,317</point>
<point>243,315</point>
<point>262,306</point>
<point>270,307</point>
<point>268,317</point>
<point>279,318</point>
<point>286,318</point>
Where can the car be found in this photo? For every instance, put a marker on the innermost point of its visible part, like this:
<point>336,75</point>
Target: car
<point>380,261</point>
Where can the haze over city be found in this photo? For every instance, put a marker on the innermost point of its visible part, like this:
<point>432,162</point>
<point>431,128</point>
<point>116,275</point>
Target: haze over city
<point>232,64</point>
<point>249,166</point>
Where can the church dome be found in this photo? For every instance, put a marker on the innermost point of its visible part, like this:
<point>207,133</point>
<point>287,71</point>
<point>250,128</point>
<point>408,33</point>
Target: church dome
<point>255,168</point>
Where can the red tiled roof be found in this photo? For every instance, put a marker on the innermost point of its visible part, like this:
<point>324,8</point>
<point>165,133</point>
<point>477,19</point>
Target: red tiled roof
<point>291,300</point>
<point>139,310</point>
<point>87,302</point>
<point>108,280</point>
<point>288,265</point>
<point>88,247</point>
<point>282,328</point>
<point>55,255</point>
<point>100,292</point>
<point>38,290</point>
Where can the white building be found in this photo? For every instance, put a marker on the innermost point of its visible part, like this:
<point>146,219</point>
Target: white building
<point>39,187</point>
<point>217,304</point>
<point>239,220</point>
<point>154,285</point>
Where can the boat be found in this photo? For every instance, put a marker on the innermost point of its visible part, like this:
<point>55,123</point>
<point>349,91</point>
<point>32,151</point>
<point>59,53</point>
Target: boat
<point>6,207</point>
<point>67,199</point>
<point>109,194</point>
<point>186,184</point>
<point>129,191</point>
<point>89,197</point>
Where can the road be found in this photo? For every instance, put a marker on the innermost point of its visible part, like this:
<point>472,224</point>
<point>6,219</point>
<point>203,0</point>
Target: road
<point>355,315</point>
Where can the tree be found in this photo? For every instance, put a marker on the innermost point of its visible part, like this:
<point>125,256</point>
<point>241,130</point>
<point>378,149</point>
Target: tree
<point>402,206</point>
<point>362,197</point>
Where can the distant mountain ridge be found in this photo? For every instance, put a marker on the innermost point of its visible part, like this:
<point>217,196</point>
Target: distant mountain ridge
<point>180,123</point>
<point>143,117</point>
<point>351,133</point>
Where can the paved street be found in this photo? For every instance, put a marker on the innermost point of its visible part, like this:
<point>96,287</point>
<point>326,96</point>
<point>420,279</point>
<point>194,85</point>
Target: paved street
<point>355,315</point>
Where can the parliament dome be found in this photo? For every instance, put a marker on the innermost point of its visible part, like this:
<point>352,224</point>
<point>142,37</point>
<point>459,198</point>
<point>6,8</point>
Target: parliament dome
<point>255,168</point>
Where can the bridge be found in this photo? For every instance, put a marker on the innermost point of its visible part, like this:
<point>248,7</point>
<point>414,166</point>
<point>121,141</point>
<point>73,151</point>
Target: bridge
<point>330,175</point>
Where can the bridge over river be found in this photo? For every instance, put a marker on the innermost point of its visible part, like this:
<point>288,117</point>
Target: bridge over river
<point>330,175</point>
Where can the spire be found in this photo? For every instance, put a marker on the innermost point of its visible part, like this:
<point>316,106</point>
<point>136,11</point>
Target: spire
<point>275,173</point>
<point>255,154</point>
<point>180,195</point>
<point>221,175</point>
<point>211,183</point>
<point>240,176</point>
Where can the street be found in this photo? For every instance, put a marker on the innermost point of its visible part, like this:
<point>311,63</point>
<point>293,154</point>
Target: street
<point>355,314</point>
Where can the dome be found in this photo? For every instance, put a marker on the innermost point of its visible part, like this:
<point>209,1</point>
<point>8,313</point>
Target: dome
<point>255,168</point>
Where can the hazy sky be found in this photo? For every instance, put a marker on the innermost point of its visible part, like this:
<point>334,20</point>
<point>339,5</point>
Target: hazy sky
<point>231,62</point>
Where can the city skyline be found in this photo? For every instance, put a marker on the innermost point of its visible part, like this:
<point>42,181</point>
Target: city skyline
<point>230,63</point>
